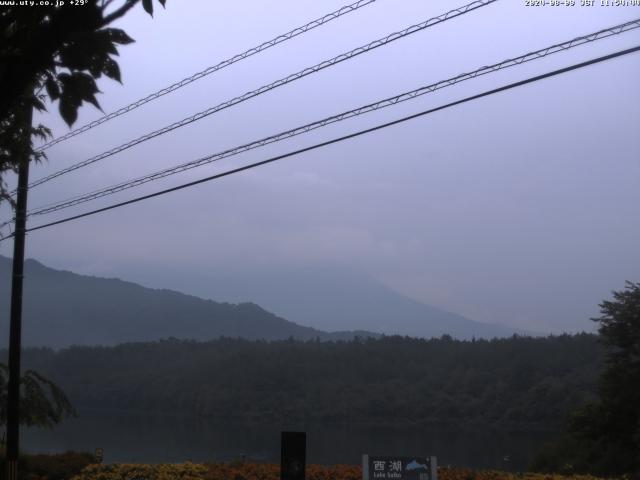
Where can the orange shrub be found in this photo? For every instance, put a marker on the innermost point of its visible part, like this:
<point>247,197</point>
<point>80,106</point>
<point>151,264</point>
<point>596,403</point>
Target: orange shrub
<point>260,471</point>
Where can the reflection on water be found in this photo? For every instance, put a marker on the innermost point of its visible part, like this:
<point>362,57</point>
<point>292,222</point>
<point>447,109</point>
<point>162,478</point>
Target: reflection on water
<point>152,438</point>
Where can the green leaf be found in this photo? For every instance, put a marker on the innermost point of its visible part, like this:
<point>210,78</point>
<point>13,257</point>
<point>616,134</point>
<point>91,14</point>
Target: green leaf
<point>103,40</point>
<point>85,88</point>
<point>148,6</point>
<point>76,57</point>
<point>95,68</point>
<point>119,36</point>
<point>96,104</point>
<point>84,83</point>
<point>111,69</point>
<point>41,131</point>
<point>38,105</point>
<point>53,90</point>
<point>68,110</point>
<point>64,78</point>
<point>76,88</point>
<point>162,2</point>
<point>93,101</point>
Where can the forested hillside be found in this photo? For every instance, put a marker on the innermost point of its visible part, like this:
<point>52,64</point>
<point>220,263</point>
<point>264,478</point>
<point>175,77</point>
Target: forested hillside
<point>516,381</point>
<point>62,309</point>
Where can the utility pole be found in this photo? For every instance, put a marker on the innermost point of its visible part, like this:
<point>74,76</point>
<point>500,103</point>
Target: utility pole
<point>15,328</point>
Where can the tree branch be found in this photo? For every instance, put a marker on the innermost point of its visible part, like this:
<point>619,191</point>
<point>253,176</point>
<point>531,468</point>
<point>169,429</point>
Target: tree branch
<point>105,4</point>
<point>129,4</point>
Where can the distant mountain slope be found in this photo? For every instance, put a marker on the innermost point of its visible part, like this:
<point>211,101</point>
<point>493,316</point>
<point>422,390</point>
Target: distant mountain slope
<point>62,308</point>
<point>332,299</point>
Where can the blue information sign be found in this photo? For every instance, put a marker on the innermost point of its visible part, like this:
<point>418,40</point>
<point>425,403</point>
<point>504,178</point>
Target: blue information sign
<point>398,468</point>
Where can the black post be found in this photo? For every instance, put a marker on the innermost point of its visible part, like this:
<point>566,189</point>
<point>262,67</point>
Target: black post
<point>293,455</point>
<point>15,328</point>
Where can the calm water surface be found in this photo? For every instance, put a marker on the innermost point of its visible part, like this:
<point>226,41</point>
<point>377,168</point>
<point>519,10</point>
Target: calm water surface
<point>152,438</point>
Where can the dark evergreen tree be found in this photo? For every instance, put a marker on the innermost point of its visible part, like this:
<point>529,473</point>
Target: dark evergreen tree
<point>603,437</point>
<point>611,428</point>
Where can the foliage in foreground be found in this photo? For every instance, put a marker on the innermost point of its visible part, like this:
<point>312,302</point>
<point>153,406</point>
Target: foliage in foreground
<point>61,466</point>
<point>603,437</point>
<point>127,471</point>
<point>62,50</point>
<point>252,471</point>
<point>83,466</point>
<point>42,402</point>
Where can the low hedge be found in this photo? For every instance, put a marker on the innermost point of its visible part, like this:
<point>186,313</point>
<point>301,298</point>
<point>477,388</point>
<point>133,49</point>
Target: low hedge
<point>60,466</point>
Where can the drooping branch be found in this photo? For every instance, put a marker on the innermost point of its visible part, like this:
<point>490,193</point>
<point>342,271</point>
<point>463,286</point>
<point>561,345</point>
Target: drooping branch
<point>42,402</point>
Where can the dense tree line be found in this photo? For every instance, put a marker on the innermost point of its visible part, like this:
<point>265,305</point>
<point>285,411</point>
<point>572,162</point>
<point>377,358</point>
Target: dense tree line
<point>517,381</point>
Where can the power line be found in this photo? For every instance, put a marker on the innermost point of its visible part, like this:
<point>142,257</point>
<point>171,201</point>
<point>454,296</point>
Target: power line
<point>345,137</point>
<point>212,69</point>
<point>271,86</point>
<point>604,33</point>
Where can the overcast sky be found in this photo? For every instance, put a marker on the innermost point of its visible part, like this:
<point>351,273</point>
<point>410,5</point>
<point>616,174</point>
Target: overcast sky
<point>520,208</point>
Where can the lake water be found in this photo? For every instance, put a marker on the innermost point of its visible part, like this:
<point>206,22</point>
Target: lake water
<point>152,438</point>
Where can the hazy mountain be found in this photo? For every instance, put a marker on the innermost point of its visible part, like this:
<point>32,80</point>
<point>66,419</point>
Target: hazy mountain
<point>63,308</point>
<point>331,299</point>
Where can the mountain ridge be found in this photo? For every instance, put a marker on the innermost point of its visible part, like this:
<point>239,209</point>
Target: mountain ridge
<point>347,300</point>
<point>72,309</point>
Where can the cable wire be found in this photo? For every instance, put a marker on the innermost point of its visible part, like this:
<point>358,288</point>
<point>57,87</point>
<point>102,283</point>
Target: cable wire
<point>604,33</point>
<point>345,137</point>
<point>212,69</point>
<point>271,86</point>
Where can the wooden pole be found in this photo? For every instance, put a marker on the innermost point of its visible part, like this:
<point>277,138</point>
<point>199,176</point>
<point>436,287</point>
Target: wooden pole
<point>15,327</point>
